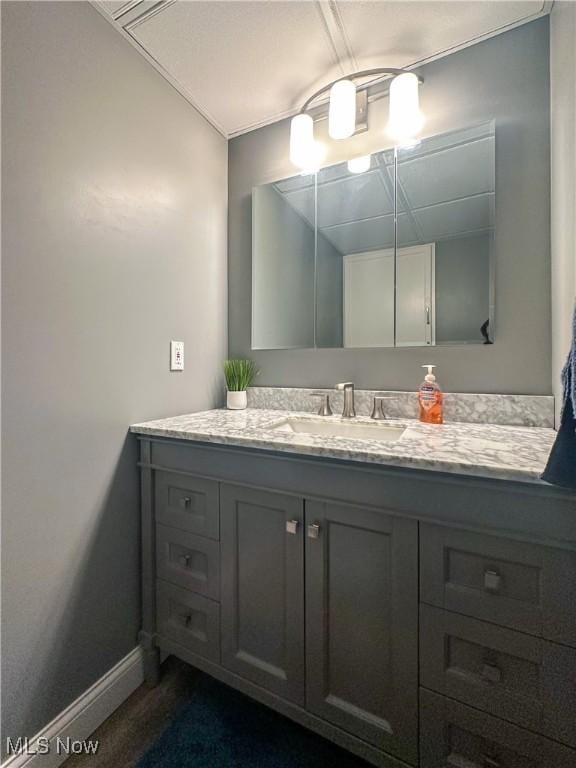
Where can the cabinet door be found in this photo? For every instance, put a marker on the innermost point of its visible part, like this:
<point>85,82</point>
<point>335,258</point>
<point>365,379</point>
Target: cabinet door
<point>362,624</point>
<point>262,589</point>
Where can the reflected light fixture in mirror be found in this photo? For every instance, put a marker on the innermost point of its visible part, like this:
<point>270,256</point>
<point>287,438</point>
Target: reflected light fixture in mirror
<point>360,164</point>
<point>342,110</point>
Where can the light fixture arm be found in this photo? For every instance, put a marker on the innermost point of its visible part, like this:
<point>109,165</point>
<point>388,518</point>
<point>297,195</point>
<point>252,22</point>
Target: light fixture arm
<point>378,73</point>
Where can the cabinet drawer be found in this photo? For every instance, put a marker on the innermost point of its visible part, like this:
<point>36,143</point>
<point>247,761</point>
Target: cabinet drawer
<point>520,678</point>
<point>188,619</point>
<point>186,502</point>
<point>453,735</point>
<point>188,561</point>
<point>511,583</point>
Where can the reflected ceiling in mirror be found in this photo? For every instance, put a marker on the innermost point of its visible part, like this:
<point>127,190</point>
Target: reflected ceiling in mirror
<point>446,201</point>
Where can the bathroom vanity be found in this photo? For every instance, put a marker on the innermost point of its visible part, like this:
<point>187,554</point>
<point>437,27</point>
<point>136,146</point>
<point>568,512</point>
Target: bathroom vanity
<point>413,600</point>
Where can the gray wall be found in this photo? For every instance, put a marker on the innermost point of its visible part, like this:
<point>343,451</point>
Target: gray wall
<point>114,242</point>
<point>505,78</point>
<point>283,273</point>
<point>329,286</point>
<point>283,277</point>
<point>462,283</point>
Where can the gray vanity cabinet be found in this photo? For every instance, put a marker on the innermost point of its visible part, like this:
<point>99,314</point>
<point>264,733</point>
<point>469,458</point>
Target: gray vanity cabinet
<point>262,596</point>
<point>362,624</point>
<point>414,619</point>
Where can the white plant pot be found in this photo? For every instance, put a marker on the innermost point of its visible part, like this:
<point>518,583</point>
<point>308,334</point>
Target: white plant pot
<point>236,401</point>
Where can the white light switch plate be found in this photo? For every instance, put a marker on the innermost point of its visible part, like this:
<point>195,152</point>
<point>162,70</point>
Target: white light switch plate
<point>176,355</point>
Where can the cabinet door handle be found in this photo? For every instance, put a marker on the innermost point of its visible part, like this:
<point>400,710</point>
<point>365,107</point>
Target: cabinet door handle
<point>292,526</point>
<point>186,501</point>
<point>185,560</point>
<point>492,581</point>
<point>491,673</point>
<point>313,531</point>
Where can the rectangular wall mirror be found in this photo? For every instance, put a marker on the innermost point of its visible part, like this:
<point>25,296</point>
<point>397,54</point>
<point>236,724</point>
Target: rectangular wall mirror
<point>401,254</point>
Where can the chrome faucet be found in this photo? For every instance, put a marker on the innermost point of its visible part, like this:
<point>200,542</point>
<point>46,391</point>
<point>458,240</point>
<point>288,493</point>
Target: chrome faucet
<point>348,412</point>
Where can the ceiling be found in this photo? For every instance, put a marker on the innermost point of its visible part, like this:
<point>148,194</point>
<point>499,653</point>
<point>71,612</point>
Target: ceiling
<point>247,63</point>
<point>446,189</point>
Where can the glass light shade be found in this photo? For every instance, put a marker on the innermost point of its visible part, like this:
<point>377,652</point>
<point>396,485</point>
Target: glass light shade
<point>405,120</point>
<point>301,140</point>
<point>342,110</point>
<point>359,164</point>
<point>313,158</point>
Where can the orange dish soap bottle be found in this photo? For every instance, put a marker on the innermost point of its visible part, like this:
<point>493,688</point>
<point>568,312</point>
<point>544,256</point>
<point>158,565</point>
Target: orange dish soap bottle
<point>431,399</point>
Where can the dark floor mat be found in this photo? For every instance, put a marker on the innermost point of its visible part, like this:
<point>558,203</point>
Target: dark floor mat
<point>221,728</point>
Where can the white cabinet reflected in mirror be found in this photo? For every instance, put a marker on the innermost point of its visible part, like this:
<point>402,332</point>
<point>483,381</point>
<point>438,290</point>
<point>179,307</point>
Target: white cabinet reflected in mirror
<point>399,255</point>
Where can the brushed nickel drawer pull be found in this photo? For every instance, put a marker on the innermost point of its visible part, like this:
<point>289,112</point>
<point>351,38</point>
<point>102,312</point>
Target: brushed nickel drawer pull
<point>186,501</point>
<point>491,673</point>
<point>313,531</point>
<point>292,526</point>
<point>185,560</point>
<point>492,581</point>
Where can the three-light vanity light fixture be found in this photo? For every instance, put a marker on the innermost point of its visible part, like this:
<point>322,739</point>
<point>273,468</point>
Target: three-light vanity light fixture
<point>405,119</point>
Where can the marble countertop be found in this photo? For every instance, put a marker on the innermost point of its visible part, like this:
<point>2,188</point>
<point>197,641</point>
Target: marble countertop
<point>481,450</point>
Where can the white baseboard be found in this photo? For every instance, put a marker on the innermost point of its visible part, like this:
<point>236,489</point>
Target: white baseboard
<point>83,716</point>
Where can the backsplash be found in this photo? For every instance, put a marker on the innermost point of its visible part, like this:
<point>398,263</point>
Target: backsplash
<point>514,410</point>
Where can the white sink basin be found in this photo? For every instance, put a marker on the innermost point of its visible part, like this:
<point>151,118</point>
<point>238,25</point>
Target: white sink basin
<point>356,430</point>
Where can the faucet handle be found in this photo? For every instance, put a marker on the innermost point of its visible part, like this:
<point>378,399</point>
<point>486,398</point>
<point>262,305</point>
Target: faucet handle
<point>378,412</point>
<point>324,409</point>
<point>344,385</point>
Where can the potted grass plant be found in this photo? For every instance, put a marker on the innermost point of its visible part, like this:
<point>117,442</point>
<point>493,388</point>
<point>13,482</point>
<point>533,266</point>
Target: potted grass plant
<point>239,375</point>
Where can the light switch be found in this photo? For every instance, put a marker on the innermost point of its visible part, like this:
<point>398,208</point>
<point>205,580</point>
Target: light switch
<point>176,355</point>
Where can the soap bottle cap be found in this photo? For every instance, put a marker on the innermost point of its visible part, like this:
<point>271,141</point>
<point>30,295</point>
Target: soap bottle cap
<point>429,376</point>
